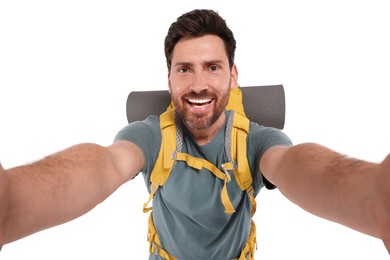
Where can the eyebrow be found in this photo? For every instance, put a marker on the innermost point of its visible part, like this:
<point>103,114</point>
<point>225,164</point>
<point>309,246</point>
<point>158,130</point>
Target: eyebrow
<point>190,64</point>
<point>185,64</point>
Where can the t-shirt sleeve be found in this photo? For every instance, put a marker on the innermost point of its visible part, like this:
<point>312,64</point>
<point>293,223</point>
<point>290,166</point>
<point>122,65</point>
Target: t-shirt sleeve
<point>260,139</point>
<point>147,136</point>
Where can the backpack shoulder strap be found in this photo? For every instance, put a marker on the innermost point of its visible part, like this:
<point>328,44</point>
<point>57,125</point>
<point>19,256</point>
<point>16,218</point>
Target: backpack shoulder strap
<point>242,171</point>
<point>240,132</point>
<point>235,101</point>
<point>236,151</point>
<point>164,162</point>
<point>237,133</point>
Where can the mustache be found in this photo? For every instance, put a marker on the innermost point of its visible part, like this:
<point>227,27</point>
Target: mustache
<point>203,94</point>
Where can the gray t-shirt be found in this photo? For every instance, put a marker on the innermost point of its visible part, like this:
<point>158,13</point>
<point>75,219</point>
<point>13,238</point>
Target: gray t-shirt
<point>187,211</point>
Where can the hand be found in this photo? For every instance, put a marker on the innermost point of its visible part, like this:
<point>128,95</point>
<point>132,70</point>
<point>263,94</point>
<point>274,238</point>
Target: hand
<point>4,197</point>
<point>383,192</point>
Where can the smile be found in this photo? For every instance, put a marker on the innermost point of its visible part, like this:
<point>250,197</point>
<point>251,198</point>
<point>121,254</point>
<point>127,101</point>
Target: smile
<point>199,102</point>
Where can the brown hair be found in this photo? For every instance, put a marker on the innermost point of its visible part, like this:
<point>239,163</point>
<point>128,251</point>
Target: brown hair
<point>197,23</point>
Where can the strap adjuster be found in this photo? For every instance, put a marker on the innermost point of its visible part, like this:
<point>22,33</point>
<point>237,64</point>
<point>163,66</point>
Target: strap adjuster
<point>250,191</point>
<point>153,187</point>
<point>155,248</point>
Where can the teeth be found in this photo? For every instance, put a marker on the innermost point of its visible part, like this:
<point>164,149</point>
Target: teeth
<point>200,101</point>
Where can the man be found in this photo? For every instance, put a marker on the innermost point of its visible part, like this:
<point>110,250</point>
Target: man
<point>199,49</point>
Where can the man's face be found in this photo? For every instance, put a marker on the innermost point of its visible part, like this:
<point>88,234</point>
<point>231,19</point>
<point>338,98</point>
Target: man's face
<point>200,80</point>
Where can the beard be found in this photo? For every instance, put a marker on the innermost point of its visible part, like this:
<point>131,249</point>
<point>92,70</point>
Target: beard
<point>200,120</point>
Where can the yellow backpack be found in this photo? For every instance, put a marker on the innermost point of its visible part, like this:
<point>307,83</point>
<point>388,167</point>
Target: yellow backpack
<point>170,151</point>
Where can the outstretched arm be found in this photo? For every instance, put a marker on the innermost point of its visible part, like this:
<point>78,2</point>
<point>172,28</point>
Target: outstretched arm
<point>383,200</point>
<point>333,186</point>
<point>65,185</point>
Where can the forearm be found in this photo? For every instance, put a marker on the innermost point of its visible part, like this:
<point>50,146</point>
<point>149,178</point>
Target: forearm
<point>57,189</point>
<point>330,185</point>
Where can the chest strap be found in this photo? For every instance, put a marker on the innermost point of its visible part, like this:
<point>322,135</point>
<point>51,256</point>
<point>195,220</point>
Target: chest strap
<point>199,163</point>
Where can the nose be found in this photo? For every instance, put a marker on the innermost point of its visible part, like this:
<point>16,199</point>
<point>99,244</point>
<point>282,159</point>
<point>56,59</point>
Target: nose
<point>199,82</point>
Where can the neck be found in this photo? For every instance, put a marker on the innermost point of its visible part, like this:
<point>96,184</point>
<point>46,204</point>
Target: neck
<point>204,136</point>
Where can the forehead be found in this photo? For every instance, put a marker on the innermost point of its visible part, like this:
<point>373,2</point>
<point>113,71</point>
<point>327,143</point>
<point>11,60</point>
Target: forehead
<point>193,49</point>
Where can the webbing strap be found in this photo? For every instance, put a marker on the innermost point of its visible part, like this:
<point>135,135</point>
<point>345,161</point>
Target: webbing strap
<point>154,242</point>
<point>247,253</point>
<point>251,194</point>
<point>229,209</point>
<point>146,208</point>
<point>158,250</point>
<point>199,163</point>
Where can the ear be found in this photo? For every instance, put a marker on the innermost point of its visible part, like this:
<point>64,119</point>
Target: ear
<point>233,77</point>
<point>169,81</point>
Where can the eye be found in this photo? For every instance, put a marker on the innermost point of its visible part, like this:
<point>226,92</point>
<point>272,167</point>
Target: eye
<point>214,68</point>
<point>183,70</point>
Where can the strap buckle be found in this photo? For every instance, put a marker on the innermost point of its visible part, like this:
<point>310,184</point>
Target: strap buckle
<point>155,248</point>
<point>228,178</point>
<point>174,155</point>
<point>153,187</point>
<point>250,191</point>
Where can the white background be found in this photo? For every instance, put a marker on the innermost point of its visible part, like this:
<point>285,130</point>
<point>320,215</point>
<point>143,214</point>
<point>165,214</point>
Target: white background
<point>66,68</point>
